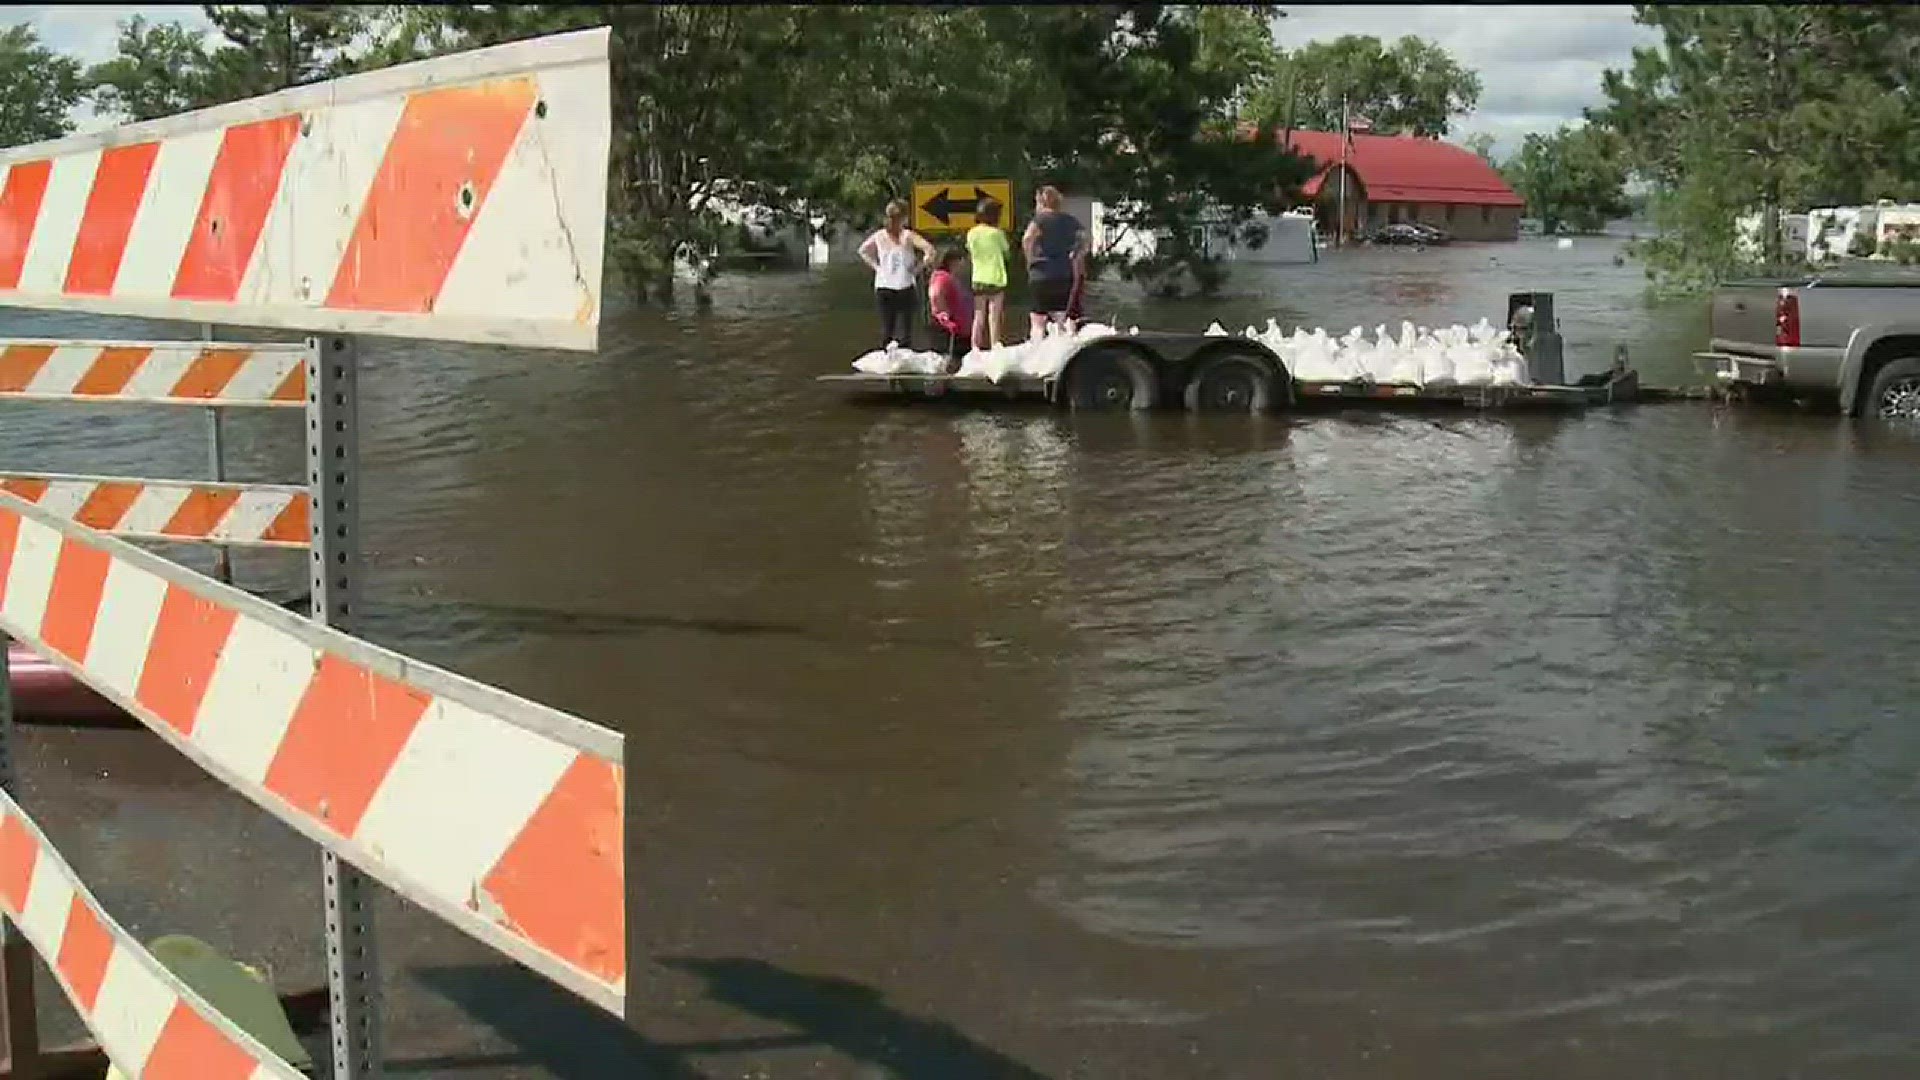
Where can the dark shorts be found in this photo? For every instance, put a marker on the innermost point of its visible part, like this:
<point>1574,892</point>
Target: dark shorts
<point>988,290</point>
<point>1051,295</point>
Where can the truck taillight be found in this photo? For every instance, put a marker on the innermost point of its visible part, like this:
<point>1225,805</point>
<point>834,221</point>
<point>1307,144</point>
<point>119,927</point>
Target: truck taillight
<point>1786,320</point>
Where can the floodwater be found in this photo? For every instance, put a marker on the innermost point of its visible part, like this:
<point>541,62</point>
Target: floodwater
<point>1016,744</point>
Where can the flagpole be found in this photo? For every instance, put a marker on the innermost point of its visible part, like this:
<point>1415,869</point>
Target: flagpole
<point>1346,143</point>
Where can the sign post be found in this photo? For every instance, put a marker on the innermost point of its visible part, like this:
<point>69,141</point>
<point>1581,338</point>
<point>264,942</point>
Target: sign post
<point>333,464</point>
<point>222,558</point>
<point>947,206</point>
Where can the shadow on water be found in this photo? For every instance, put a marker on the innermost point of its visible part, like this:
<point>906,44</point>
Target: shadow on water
<point>468,616</point>
<point>852,1018</point>
<point>551,1030</point>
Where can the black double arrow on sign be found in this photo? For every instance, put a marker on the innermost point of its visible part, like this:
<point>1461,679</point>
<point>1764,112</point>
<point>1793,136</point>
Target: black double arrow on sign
<point>943,205</point>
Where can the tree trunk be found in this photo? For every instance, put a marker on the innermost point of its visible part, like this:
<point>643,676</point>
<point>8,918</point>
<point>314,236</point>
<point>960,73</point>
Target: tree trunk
<point>1770,221</point>
<point>1770,125</point>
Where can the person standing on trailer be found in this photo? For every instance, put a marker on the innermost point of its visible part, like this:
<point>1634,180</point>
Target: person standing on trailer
<point>897,254</point>
<point>1056,248</point>
<point>989,250</point>
<point>950,306</point>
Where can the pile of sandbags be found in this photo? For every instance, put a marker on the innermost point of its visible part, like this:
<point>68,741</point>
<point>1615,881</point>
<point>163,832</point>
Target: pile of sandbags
<point>1477,355</point>
<point>1035,358</point>
<point>894,360</point>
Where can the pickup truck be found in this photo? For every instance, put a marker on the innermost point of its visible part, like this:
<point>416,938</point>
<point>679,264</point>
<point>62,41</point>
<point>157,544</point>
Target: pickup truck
<point>1851,338</point>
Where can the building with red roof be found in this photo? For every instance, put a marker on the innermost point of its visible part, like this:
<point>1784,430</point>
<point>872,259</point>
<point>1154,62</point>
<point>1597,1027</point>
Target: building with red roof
<point>1393,178</point>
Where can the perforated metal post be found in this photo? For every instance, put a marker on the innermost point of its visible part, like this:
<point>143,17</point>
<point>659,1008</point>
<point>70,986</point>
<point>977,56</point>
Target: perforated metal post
<point>353,971</point>
<point>222,558</point>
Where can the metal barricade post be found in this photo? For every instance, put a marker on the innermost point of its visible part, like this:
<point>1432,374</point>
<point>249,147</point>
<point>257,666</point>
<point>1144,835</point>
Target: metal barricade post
<point>217,471</point>
<point>333,463</point>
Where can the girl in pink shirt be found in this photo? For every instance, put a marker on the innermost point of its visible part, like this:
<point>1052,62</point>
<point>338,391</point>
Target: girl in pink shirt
<point>951,306</point>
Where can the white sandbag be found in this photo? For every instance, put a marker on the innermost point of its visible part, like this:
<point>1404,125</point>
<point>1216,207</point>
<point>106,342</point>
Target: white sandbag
<point>894,360</point>
<point>1435,368</point>
<point>1510,367</point>
<point>991,363</point>
<point>1314,360</point>
<point>1045,356</point>
<point>997,363</point>
<point>1472,366</point>
<point>1400,366</point>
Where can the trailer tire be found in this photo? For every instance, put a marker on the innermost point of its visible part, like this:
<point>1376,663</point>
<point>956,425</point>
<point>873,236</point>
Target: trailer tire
<point>1232,382</point>
<point>1111,379</point>
<point>1895,394</point>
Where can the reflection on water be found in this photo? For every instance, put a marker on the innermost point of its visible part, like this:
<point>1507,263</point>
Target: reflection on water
<point>1164,746</point>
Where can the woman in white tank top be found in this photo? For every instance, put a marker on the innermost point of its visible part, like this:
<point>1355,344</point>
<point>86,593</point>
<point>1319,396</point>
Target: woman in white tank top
<point>897,254</point>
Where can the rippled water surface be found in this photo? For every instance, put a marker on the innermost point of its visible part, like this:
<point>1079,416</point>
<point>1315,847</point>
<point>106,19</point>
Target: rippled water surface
<point>1013,743</point>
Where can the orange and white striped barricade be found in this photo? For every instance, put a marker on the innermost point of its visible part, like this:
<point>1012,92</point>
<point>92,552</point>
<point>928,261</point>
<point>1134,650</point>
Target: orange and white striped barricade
<point>169,373</point>
<point>180,511</point>
<point>150,1024</point>
<point>154,372</point>
<point>456,199</point>
<point>209,374</point>
<point>502,816</point>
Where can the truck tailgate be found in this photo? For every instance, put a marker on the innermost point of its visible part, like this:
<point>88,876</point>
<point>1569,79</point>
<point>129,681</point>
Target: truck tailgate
<point>1742,318</point>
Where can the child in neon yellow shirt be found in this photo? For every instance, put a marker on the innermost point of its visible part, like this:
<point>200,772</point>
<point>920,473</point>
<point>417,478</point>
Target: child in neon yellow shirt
<point>989,250</point>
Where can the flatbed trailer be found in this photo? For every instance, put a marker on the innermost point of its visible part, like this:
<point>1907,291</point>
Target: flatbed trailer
<point>1233,372</point>
<point>1298,395</point>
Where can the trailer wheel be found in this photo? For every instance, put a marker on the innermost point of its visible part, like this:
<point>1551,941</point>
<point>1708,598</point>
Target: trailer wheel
<point>1230,383</point>
<point>1110,379</point>
<point>1896,391</point>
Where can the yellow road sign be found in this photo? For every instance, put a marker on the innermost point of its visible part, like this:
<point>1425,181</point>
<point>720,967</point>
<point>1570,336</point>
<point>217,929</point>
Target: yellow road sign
<point>946,206</point>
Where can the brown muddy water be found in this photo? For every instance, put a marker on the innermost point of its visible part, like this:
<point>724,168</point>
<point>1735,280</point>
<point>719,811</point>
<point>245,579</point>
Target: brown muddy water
<point>981,744</point>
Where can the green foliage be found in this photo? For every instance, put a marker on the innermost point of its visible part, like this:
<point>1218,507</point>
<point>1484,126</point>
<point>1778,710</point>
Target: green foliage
<point>1175,164</point>
<point>1413,86</point>
<point>274,46</point>
<point>38,88</point>
<point>1751,107</point>
<point>161,69</point>
<point>1481,143</point>
<point>1695,242</point>
<point>1237,42</point>
<point>1574,180</point>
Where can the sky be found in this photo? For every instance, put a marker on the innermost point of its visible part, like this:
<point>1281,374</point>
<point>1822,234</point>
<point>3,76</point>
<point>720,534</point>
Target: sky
<point>1539,65</point>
